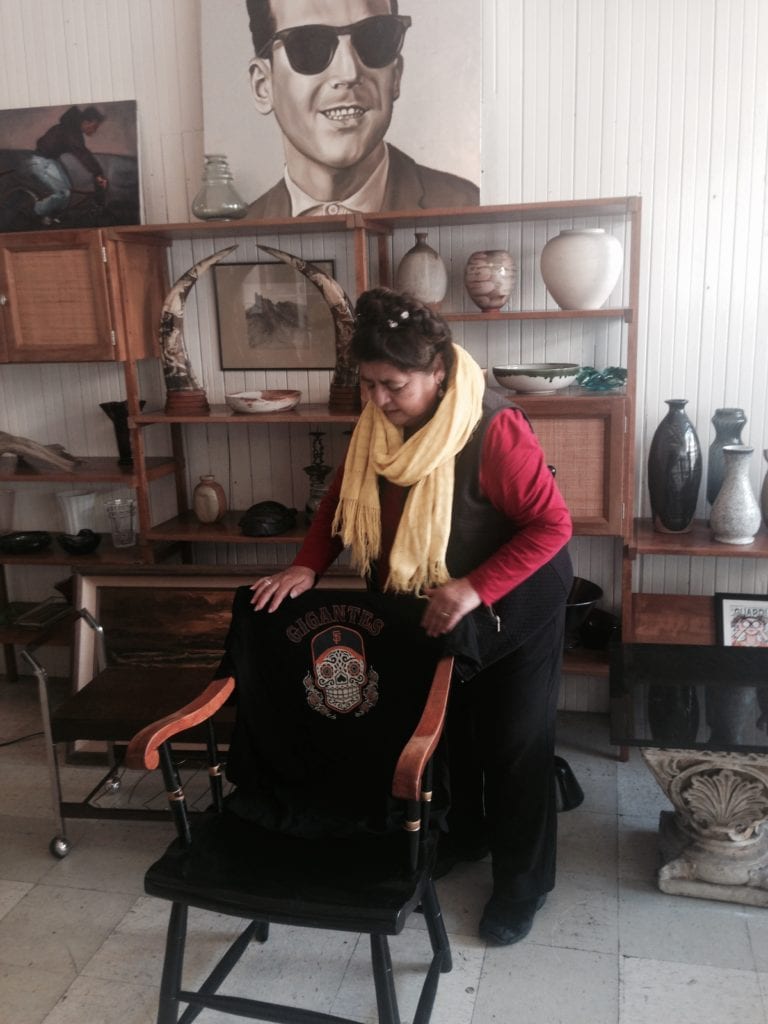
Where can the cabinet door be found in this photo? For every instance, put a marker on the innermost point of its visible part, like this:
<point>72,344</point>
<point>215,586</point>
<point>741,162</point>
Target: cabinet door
<point>55,301</point>
<point>585,442</point>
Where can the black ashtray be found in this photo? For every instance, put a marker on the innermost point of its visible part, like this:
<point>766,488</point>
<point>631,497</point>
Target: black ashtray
<point>81,543</point>
<point>25,542</point>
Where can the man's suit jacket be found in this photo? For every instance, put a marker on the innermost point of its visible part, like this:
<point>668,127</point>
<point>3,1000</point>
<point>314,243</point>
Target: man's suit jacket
<point>410,186</point>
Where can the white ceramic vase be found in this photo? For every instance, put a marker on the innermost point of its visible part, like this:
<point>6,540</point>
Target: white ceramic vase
<point>764,493</point>
<point>421,272</point>
<point>735,516</point>
<point>580,267</point>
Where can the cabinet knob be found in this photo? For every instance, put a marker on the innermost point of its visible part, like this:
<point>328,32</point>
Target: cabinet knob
<point>3,300</point>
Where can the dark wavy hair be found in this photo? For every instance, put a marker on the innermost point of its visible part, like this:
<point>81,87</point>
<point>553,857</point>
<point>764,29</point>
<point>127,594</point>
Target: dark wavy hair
<point>264,24</point>
<point>393,327</point>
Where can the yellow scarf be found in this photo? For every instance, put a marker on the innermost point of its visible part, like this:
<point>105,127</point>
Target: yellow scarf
<point>425,463</point>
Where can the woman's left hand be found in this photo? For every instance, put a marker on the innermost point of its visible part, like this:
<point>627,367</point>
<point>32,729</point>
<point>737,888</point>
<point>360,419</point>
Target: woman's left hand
<point>447,605</point>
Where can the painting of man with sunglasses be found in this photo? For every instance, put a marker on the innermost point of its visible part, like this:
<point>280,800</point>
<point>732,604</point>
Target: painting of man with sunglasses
<point>330,72</point>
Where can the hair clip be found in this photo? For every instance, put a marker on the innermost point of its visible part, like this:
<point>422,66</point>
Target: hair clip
<point>393,324</point>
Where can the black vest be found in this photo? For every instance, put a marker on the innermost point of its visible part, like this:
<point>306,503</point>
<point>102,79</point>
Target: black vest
<point>477,530</point>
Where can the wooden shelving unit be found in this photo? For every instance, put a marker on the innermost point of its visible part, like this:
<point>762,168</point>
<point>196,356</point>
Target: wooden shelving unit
<point>588,436</point>
<point>675,618</point>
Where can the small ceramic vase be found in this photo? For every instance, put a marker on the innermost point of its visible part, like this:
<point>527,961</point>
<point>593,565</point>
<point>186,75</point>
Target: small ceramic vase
<point>735,516</point>
<point>580,267</point>
<point>728,424</point>
<point>674,470</point>
<point>209,503</point>
<point>421,272</point>
<point>489,277</point>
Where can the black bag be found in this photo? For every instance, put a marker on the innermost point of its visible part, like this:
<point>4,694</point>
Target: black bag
<point>267,518</point>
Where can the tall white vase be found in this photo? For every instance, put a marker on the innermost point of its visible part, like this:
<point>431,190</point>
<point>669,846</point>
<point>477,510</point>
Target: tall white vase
<point>580,267</point>
<point>735,516</point>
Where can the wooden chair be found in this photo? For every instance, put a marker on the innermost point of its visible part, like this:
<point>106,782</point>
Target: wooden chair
<point>157,643</point>
<point>340,706</point>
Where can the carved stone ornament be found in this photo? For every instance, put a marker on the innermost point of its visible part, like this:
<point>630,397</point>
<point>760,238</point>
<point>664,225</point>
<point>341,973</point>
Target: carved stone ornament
<point>715,844</point>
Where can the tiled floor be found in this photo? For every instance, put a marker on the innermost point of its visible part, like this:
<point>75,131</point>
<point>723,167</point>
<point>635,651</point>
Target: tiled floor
<point>80,944</point>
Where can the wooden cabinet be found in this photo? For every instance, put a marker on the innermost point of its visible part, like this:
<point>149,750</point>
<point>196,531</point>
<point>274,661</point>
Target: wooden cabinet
<point>674,618</point>
<point>79,296</point>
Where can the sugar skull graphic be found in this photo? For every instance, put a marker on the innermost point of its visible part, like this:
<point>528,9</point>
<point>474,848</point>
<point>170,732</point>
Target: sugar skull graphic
<point>340,681</point>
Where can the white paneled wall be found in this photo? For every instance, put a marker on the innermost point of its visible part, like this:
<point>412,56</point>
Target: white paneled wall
<point>581,98</point>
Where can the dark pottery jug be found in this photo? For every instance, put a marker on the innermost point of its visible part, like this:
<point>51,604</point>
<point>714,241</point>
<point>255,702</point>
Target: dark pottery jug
<point>118,413</point>
<point>731,713</point>
<point>674,470</point>
<point>673,715</point>
<point>728,424</point>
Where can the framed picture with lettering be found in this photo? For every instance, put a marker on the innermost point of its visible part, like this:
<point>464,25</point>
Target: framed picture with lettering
<point>741,620</point>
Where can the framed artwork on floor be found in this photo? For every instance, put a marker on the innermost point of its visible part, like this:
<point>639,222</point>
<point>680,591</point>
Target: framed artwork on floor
<point>272,317</point>
<point>741,620</point>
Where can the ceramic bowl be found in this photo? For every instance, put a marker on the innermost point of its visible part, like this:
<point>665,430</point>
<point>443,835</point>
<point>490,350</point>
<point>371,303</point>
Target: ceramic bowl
<point>25,542</point>
<point>536,378</point>
<point>81,543</point>
<point>263,401</point>
<point>582,598</point>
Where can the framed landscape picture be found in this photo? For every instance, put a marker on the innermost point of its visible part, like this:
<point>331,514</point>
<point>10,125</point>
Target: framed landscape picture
<point>741,620</point>
<point>272,317</point>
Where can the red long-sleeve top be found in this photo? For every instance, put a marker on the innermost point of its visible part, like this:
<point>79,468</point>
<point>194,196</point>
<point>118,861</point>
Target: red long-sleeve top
<point>515,478</point>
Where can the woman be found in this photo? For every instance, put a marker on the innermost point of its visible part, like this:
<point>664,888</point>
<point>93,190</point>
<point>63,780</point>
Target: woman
<point>445,493</point>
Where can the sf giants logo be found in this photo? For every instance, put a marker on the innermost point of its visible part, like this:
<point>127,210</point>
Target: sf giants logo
<point>340,681</point>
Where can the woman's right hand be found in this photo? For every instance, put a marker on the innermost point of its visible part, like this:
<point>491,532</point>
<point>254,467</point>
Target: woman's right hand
<point>270,591</point>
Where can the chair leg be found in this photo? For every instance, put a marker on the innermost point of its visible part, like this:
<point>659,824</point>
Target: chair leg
<point>438,936</point>
<point>168,1009</point>
<point>214,769</point>
<point>50,750</point>
<point>386,999</point>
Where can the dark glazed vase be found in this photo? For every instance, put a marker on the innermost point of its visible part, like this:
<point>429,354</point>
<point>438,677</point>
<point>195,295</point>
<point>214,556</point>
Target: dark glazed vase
<point>118,413</point>
<point>728,424</point>
<point>674,470</point>
<point>673,715</point>
<point>731,715</point>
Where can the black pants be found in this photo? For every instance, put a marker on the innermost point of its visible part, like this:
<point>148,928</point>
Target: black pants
<point>501,741</point>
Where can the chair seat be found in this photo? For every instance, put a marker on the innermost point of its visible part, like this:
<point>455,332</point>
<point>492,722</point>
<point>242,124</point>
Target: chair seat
<point>350,883</point>
<point>119,702</point>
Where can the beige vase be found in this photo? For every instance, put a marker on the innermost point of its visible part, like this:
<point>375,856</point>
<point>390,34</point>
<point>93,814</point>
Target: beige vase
<point>421,272</point>
<point>581,266</point>
<point>209,503</point>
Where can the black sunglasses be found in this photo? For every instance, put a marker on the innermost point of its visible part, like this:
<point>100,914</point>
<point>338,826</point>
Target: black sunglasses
<point>310,48</point>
